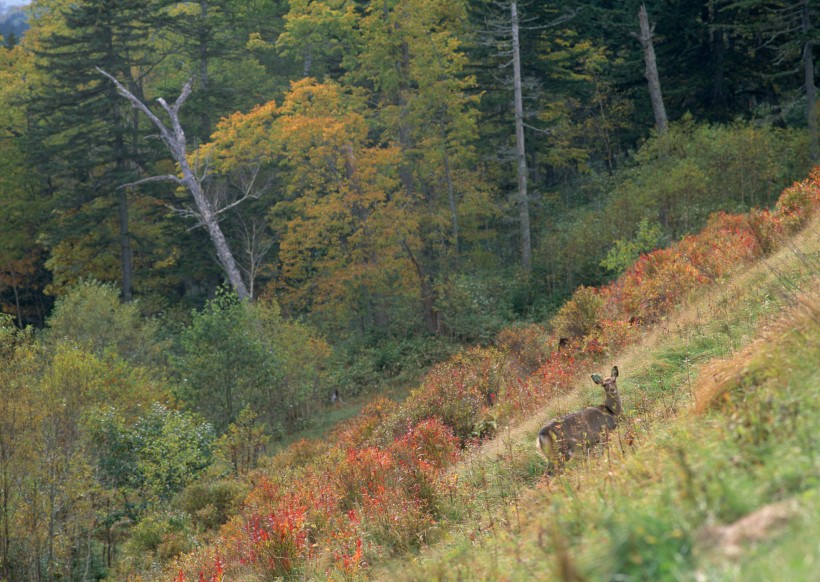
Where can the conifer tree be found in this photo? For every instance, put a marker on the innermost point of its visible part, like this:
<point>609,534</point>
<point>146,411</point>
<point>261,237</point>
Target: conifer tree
<point>85,142</point>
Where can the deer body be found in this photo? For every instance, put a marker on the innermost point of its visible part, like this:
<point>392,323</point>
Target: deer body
<point>584,428</point>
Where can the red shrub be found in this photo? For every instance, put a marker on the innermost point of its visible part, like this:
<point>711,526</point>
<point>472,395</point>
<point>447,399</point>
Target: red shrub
<point>430,445</point>
<point>767,229</point>
<point>799,201</point>
<point>727,240</point>
<point>363,473</point>
<point>528,344</point>
<point>360,429</point>
<point>655,283</point>
<point>458,393</point>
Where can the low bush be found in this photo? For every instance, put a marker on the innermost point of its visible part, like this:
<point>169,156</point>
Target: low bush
<point>655,283</point>
<point>579,316</point>
<point>528,344</point>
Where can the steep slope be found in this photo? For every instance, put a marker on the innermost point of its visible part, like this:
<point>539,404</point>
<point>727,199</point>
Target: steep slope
<point>721,407</point>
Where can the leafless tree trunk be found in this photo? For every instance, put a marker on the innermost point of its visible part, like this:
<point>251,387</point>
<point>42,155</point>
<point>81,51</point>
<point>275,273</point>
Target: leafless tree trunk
<point>125,246</point>
<point>652,78</point>
<point>521,155</point>
<point>451,197</point>
<point>174,139</point>
<point>811,91</point>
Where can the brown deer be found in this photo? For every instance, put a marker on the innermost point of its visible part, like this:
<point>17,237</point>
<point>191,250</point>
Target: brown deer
<point>586,427</point>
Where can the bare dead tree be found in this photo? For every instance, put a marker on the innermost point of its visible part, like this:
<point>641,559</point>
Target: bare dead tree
<point>652,78</point>
<point>203,209</point>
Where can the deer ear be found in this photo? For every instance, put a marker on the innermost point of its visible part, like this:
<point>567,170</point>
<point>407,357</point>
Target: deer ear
<point>597,379</point>
<point>614,371</point>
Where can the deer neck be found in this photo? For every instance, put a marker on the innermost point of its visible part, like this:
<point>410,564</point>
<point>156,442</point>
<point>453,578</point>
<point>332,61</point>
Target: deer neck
<point>613,404</point>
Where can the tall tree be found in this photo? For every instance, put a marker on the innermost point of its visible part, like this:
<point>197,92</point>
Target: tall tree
<point>520,148</point>
<point>412,61</point>
<point>83,141</point>
<point>652,77</point>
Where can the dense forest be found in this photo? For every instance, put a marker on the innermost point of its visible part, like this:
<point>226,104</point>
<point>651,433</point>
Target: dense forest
<point>214,214</point>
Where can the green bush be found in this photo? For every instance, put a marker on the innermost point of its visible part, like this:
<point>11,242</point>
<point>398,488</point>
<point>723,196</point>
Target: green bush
<point>91,315</point>
<point>211,503</point>
<point>237,354</point>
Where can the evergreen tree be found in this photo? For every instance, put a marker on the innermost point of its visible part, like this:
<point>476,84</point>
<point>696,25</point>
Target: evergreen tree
<point>85,142</point>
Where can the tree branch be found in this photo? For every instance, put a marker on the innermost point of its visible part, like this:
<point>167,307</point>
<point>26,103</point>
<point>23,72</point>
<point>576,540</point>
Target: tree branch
<point>163,178</point>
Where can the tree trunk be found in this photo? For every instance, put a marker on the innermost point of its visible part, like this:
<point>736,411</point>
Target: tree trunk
<point>811,91</point>
<point>652,78</point>
<point>451,196</point>
<point>521,156</point>
<point>431,315</point>
<point>125,246</point>
<point>208,217</point>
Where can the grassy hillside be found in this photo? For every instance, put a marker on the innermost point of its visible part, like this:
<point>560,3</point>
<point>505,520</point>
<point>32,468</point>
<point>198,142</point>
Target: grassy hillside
<point>722,412</point>
<point>716,338</point>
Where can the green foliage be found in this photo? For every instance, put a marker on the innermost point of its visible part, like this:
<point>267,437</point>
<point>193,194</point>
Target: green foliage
<point>243,442</point>
<point>475,308</point>
<point>91,315</point>
<point>625,252</point>
<point>211,503</point>
<point>159,537</point>
<point>235,355</point>
<point>172,447</point>
<point>154,456</point>
<point>225,362</point>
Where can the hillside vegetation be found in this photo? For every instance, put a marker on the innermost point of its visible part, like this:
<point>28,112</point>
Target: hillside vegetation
<point>717,341</point>
<point>131,449</point>
<point>288,286</point>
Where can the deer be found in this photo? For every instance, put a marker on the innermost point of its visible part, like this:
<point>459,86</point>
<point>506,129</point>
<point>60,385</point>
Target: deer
<point>588,427</point>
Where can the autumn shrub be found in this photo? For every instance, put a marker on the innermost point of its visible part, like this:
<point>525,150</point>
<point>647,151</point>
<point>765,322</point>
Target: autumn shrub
<point>212,503</point>
<point>655,283</point>
<point>528,344</point>
<point>300,453</point>
<point>609,336</point>
<point>767,229</point>
<point>626,251</point>
<point>558,372</point>
<point>579,316</point>
<point>395,519</point>
<point>726,241</point>
<point>276,543</point>
<point>420,455</point>
<point>243,442</point>
<point>359,430</point>
<point>457,392</point>
<point>158,536</point>
<point>363,472</point>
<point>797,202</point>
<point>429,443</point>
